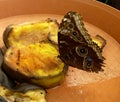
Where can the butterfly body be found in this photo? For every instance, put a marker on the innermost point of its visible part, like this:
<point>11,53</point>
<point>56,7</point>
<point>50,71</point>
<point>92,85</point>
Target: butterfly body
<point>76,46</point>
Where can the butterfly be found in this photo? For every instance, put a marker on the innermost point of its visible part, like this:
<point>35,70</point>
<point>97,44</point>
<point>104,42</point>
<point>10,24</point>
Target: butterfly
<point>75,45</point>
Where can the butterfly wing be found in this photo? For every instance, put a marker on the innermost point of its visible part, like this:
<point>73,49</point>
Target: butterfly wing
<point>72,26</point>
<point>76,46</point>
<point>90,60</point>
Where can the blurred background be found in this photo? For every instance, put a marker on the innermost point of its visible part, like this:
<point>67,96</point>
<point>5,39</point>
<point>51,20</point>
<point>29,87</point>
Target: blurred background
<point>113,3</point>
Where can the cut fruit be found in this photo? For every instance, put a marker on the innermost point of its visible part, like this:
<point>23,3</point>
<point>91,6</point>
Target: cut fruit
<point>28,33</point>
<point>36,95</point>
<point>31,56</point>
<point>36,63</point>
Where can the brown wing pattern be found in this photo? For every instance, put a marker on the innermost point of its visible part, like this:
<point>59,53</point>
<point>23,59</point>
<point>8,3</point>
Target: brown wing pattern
<point>76,46</point>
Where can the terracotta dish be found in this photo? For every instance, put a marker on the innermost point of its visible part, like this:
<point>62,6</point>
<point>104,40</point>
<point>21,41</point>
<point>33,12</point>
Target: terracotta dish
<point>79,86</point>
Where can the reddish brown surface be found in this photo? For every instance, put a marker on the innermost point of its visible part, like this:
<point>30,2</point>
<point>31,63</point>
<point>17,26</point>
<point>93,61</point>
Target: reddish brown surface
<point>97,14</point>
<point>107,91</point>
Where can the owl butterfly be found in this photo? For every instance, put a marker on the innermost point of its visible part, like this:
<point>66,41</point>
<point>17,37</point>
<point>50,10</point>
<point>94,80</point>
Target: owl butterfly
<point>76,46</point>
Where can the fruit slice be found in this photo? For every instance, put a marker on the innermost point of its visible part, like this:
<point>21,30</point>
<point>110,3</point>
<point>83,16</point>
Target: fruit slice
<point>100,41</point>
<point>36,63</point>
<point>31,57</point>
<point>36,95</point>
<point>28,33</point>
